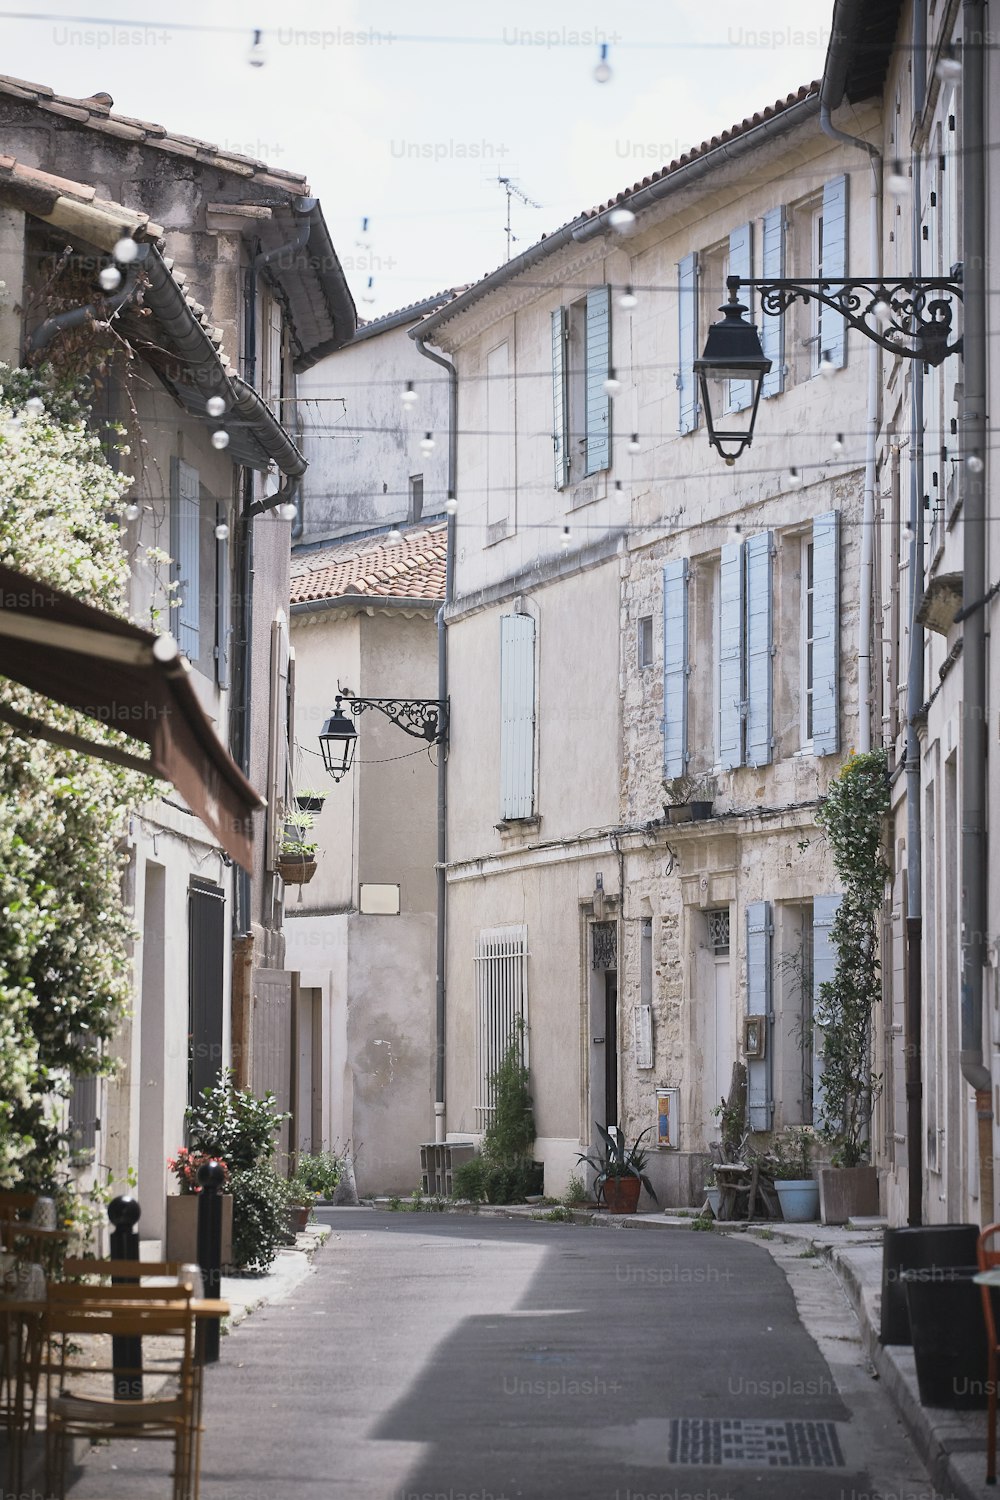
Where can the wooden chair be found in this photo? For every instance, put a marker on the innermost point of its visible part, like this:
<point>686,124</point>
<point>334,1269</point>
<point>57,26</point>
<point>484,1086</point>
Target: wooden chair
<point>87,1395</point>
<point>78,1267</point>
<point>988,1256</point>
<point>15,1205</point>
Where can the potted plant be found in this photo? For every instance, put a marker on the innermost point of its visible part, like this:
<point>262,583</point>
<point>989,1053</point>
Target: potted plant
<point>503,1170</point>
<point>318,1173</point>
<point>295,863</point>
<point>689,799</point>
<point>852,817</point>
<point>300,1205</point>
<point>310,800</point>
<point>713,1192</point>
<point>182,1207</point>
<point>788,1165</point>
<point>620,1175</point>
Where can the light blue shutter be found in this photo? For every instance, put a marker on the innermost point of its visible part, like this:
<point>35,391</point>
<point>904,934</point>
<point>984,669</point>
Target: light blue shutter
<point>675,667</point>
<point>741,264</point>
<point>687,338</point>
<point>222,596</point>
<point>731,656</point>
<point>826,633</point>
<point>759,647</point>
<point>517,716</point>
<point>834,267</point>
<point>824,967</point>
<point>598,369</point>
<point>185,541</point>
<point>772,330</point>
<point>760,1105</point>
<point>560,442</point>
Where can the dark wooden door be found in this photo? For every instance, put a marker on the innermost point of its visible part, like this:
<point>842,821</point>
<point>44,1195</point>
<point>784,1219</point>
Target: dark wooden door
<point>206,953</point>
<point>611,1047</point>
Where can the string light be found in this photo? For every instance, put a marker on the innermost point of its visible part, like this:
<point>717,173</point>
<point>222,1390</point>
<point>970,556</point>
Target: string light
<point>621,220</point>
<point>258,53</point>
<point>34,406</point>
<point>287,511</point>
<point>215,406</point>
<point>794,477</point>
<point>427,443</point>
<point>602,72</point>
<point>220,439</point>
<point>612,385</point>
<point>131,511</point>
<point>409,397</point>
<point>827,366</point>
<point>221,532</point>
<point>837,446</point>
<point>620,490</point>
<point>734,532</point>
<point>125,251</point>
<point>451,504</point>
<point>634,445</point>
<point>628,299</point>
<point>394,535</point>
<point>974,464</point>
<point>165,647</point>
<point>881,311</point>
<point>566,537</point>
<point>949,66</point>
<point>110,278</point>
<point>897,181</point>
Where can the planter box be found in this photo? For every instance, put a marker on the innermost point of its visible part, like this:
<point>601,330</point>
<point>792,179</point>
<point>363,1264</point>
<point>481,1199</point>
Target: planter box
<point>310,804</point>
<point>845,1192</point>
<point>182,1228</point>
<point>621,1194</point>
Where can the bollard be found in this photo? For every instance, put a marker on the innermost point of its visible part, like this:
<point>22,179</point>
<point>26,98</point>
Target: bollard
<point>211,1177</point>
<point>126,1352</point>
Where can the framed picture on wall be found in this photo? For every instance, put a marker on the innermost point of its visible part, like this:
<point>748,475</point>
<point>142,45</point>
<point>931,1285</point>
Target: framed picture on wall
<point>754,1035</point>
<point>668,1118</point>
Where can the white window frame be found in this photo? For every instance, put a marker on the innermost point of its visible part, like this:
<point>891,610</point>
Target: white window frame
<point>645,657</point>
<point>501,969</point>
<point>806,622</point>
<point>816,308</point>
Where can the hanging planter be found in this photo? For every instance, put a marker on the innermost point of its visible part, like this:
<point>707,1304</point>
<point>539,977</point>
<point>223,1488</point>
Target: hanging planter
<point>296,869</point>
<point>310,801</point>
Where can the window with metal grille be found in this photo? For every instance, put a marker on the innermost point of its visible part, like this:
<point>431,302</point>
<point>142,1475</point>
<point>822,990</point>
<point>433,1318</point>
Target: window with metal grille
<point>501,964</point>
<point>82,1113</point>
<point>718,930</point>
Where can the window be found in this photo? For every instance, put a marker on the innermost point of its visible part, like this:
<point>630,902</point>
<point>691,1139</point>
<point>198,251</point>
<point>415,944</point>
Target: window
<point>687,342</point>
<point>499,441</point>
<point>416,497</point>
<point>808,676</point>
<point>645,637</point>
<point>581,363</point>
<point>517,716</point>
<point>185,544</point>
<point>820,646</point>
<point>82,1121</point>
<point>501,965</point>
<point>676,667</point>
<point>785,970</point>
<point>828,259</point>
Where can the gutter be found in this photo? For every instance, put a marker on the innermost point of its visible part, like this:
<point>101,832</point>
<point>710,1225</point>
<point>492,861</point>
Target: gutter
<point>418,335</point>
<point>336,293</point>
<point>362,601</point>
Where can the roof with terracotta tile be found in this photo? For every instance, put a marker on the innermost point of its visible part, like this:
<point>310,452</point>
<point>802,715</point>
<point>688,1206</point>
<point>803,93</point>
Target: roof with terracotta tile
<point>373,567</point>
<point>95,113</point>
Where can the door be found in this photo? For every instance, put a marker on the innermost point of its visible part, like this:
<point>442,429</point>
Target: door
<point>725,1040</point>
<point>206,948</point>
<point>611,1047</point>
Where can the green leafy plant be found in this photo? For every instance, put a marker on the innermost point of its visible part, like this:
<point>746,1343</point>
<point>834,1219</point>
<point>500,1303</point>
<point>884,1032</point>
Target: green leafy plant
<point>293,844</point>
<point>789,1157</point>
<point>317,1174</point>
<point>618,1160</point>
<point>260,1217</point>
<point>234,1124</point>
<point>576,1190</point>
<point>852,817</point>
<point>503,1171</point>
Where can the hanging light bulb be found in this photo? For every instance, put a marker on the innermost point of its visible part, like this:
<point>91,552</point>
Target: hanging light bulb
<point>165,647</point>
<point>837,446</point>
<point>897,181</point>
<point>907,533</point>
<point>949,66</point>
<point>566,537</point>
<point>451,504</point>
<point>881,311</point>
<point>602,71</point>
<point>394,535</point>
<point>110,278</point>
<point>215,406</point>
<point>612,385</point>
<point>794,477</point>
<point>258,53</point>
<point>628,299</point>
<point>827,366</point>
<point>131,511</point>
<point>125,250</point>
<point>974,464</point>
<point>427,443</point>
<point>221,532</point>
<point>34,406</point>
<point>633,443</point>
<point>621,220</point>
<point>620,492</point>
<point>409,397</point>
<point>220,439</point>
<point>734,533</point>
<point>286,511</point>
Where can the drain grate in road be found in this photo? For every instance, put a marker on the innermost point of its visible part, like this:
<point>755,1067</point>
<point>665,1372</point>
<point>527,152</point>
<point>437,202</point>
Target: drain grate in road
<point>755,1444</point>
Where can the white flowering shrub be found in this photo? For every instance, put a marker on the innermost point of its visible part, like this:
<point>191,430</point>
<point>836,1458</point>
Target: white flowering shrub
<point>64,930</point>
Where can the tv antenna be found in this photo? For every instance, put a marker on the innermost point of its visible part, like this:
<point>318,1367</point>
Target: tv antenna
<point>512,190</point>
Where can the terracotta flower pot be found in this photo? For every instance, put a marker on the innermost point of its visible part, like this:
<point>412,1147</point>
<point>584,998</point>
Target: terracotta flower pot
<point>621,1194</point>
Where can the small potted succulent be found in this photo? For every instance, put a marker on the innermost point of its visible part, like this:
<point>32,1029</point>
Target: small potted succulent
<point>620,1175</point>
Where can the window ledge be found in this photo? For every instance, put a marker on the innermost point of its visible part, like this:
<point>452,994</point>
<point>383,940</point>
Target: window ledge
<point>499,531</point>
<point>512,827</point>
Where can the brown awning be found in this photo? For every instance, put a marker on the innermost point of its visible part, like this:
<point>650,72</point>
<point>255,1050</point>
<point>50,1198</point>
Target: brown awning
<point>106,668</point>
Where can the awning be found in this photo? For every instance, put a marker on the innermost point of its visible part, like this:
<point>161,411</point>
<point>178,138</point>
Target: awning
<point>106,668</point>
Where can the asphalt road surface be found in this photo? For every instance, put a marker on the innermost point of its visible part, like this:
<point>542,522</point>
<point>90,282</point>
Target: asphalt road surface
<point>439,1357</point>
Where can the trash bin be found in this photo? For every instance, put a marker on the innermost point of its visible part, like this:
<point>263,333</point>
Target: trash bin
<point>949,1336</point>
<point>916,1250</point>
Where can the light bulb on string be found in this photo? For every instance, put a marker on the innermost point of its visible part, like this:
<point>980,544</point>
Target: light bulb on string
<point>837,446</point>
<point>125,250</point>
<point>612,385</point>
<point>621,220</point>
<point>34,407</point>
<point>734,533</point>
<point>451,504</point>
<point>110,278</point>
<point>949,65</point>
<point>257,56</point>
<point>881,311</point>
<point>897,182</point>
<point>634,445</point>
<point>826,365</point>
<point>794,477</point>
<point>221,532</point>
<point>220,439</point>
<point>131,511</point>
<point>602,72</point>
<point>974,464</point>
<point>427,443</point>
<point>620,493</point>
<point>409,397</point>
<point>165,647</point>
<point>215,406</point>
<point>394,535</point>
<point>287,511</point>
<point>628,299</point>
<point>907,533</point>
<point>566,538</point>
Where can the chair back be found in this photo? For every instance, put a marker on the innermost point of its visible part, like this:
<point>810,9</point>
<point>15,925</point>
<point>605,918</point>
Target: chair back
<point>80,1266</point>
<point>15,1203</point>
<point>101,1315</point>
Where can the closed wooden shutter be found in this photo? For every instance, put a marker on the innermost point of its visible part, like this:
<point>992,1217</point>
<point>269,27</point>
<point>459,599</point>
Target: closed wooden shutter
<point>185,545</point>
<point>517,716</point>
<point>560,416</point>
<point>676,665</point>
<point>598,362</point>
<point>760,1103</point>
<point>731,656</point>
<point>687,338</point>
<point>834,329</point>
<point>826,633</point>
<point>759,553</point>
<point>741,264</point>
<point>772,330</point>
<point>824,969</point>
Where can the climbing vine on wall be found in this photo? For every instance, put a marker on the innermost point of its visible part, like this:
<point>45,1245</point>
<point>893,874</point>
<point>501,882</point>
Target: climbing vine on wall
<point>852,817</point>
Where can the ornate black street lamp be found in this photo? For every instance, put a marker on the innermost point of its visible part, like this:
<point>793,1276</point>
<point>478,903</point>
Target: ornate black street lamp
<point>423,718</point>
<point>907,317</point>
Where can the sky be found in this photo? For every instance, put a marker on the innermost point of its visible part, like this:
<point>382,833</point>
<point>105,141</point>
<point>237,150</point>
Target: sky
<point>406,114</point>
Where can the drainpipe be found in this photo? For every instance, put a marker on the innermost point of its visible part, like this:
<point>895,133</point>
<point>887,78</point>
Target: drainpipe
<point>913,1014</point>
<point>101,308</point>
<point>973,444</point>
<point>440,1123</point>
<point>871,436</point>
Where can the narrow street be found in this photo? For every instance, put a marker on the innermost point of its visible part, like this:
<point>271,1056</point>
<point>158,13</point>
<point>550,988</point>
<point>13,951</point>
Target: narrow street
<point>436,1355</point>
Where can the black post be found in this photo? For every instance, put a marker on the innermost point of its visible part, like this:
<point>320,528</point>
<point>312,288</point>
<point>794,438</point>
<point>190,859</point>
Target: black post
<point>211,1176</point>
<point>126,1352</point>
